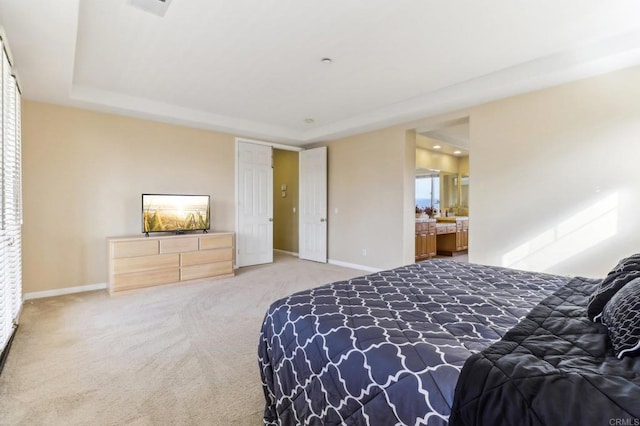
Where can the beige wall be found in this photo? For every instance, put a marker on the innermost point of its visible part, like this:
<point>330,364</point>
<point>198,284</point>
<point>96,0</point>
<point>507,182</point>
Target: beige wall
<point>426,159</point>
<point>556,181</point>
<point>83,174</point>
<point>409,194</point>
<point>285,220</point>
<point>371,186</point>
<point>463,166</point>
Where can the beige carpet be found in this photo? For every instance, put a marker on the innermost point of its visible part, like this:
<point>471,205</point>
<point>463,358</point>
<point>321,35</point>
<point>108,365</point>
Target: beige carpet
<point>171,355</point>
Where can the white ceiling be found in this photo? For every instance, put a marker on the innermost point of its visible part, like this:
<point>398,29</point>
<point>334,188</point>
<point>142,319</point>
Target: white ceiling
<point>450,137</point>
<point>253,67</point>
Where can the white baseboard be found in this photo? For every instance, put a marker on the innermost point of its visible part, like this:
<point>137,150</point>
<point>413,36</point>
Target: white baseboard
<point>354,266</point>
<point>62,291</point>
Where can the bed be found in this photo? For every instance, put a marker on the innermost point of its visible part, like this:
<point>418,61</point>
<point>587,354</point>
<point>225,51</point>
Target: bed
<point>389,348</point>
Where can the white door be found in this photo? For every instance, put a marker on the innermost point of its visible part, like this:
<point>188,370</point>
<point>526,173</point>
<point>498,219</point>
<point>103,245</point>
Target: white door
<point>313,205</point>
<point>255,205</point>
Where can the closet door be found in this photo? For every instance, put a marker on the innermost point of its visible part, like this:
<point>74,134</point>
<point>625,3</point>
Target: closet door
<point>11,203</point>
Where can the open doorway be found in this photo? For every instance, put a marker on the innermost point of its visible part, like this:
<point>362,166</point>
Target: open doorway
<point>255,195</point>
<point>442,190</point>
<point>281,202</point>
<point>285,201</point>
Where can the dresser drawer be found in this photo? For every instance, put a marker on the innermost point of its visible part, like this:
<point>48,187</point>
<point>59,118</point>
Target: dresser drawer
<point>145,263</point>
<point>144,279</point>
<point>179,245</point>
<point>206,256</point>
<point>216,241</point>
<point>207,270</point>
<point>446,229</point>
<point>134,248</point>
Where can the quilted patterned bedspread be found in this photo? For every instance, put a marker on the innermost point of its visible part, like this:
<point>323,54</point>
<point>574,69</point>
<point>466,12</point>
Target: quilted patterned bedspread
<point>556,367</point>
<point>387,348</point>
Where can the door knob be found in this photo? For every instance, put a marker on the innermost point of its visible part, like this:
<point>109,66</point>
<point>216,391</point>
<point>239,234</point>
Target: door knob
<point>270,219</point>
<point>322,219</point>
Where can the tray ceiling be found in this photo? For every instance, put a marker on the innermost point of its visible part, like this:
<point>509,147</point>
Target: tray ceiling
<point>254,67</point>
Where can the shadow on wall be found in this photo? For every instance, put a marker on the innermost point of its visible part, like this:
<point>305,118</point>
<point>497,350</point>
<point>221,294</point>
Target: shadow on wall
<point>574,235</point>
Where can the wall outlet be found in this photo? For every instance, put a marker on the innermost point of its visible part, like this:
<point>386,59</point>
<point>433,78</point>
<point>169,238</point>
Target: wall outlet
<point>364,252</point>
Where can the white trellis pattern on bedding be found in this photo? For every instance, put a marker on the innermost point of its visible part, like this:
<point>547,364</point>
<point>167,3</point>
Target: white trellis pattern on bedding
<point>387,348</point>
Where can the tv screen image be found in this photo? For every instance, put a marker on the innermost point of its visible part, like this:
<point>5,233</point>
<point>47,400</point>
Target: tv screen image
<point>175,213</point>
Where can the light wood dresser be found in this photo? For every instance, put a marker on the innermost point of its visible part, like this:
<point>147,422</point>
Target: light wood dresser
<point>140,261</point>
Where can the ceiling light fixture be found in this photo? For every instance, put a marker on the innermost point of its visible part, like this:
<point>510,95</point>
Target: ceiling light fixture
<point>326,60</point>
<point>457,152</point>
<point>436,147</point>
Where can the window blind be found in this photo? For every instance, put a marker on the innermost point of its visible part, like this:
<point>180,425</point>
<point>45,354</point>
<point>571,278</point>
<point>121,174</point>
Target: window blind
<point>11,203</point>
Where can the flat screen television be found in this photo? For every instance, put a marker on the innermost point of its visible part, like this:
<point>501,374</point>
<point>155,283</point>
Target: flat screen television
<point>175,213</point>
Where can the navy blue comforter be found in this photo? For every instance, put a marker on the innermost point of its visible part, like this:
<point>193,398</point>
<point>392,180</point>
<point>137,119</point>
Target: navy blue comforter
<point>387,348</point>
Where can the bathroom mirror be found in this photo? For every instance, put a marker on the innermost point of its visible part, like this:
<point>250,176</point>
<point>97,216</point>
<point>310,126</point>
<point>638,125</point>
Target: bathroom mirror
<point>464,191</point>
<point>449,185</point>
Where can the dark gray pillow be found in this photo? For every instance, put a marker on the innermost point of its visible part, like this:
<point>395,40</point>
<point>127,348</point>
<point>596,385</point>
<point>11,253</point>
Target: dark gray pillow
<point>624,272</point>
<point>605,291</point>
<point>631,263</point>
<point>621,315</point>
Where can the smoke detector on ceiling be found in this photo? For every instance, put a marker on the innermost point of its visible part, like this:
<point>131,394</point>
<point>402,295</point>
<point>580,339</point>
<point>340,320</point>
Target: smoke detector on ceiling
<point>157,7</point>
